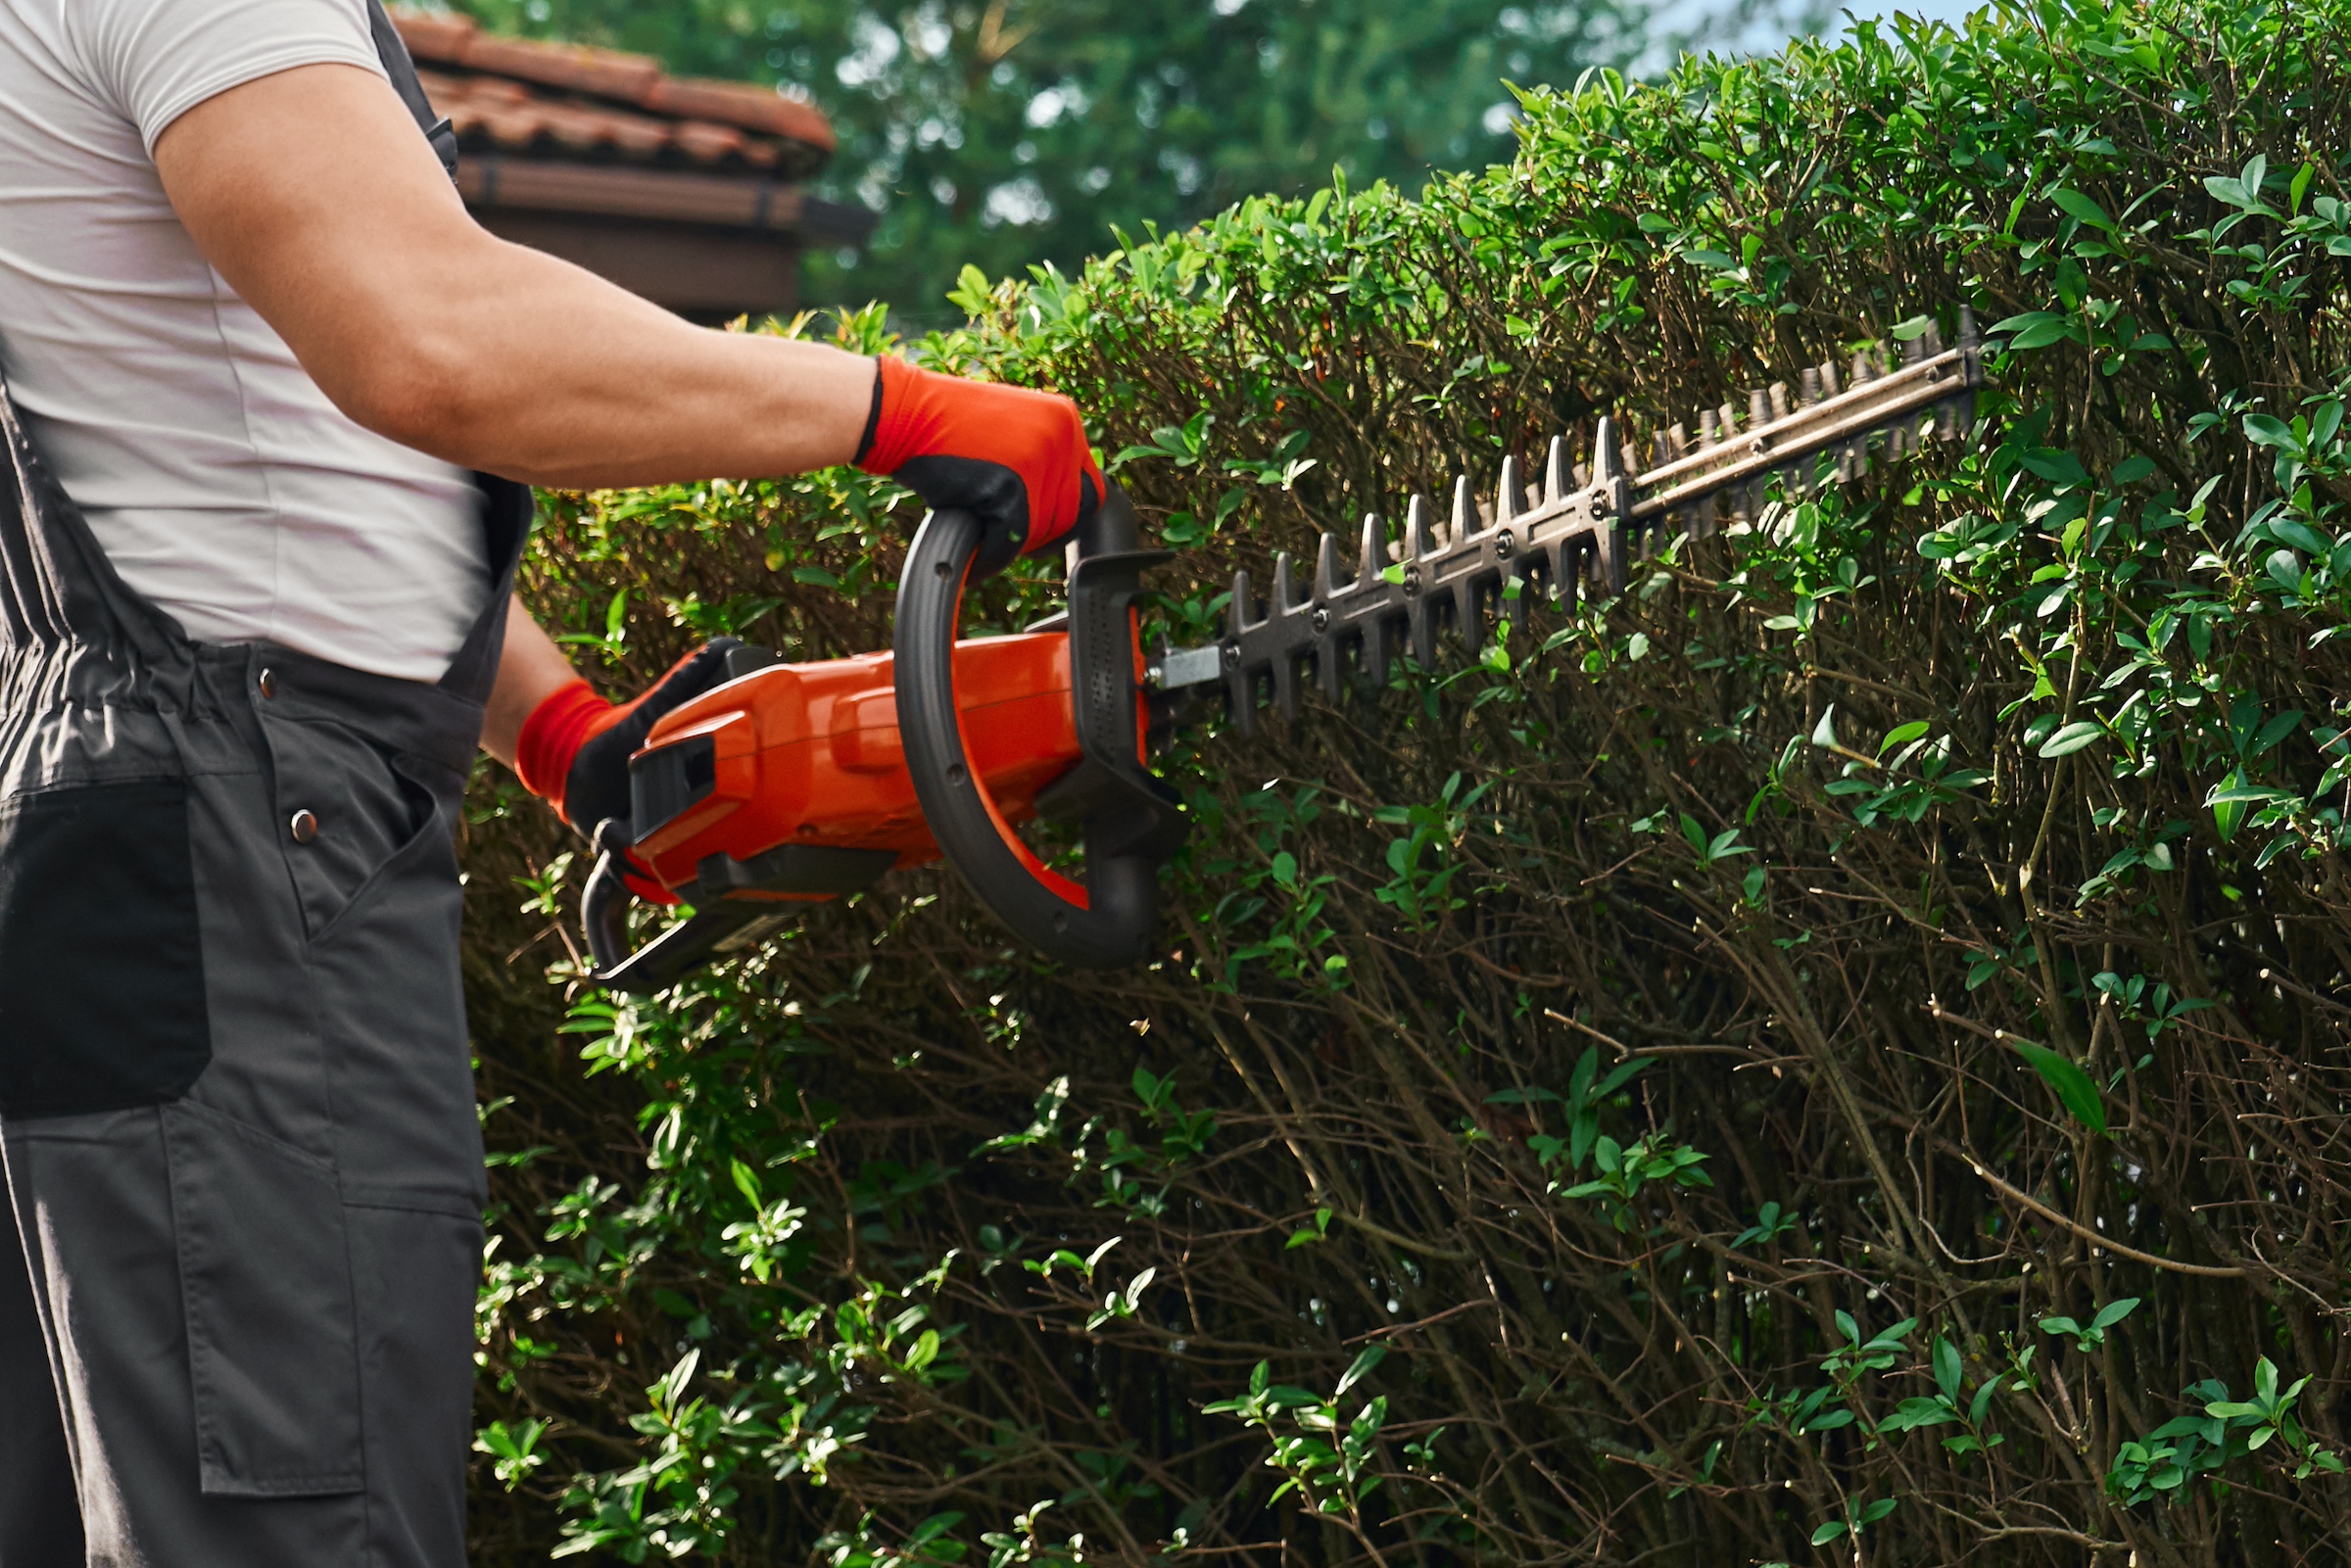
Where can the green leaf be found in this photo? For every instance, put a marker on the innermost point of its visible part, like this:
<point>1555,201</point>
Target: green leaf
<point>2266,430</point>
<point>2073,737</point>
<point>2038,329</point>
<point>1901,734</point>
<point>1946,1367</point>
<point>2114,1312</point>
<point>2301,536</point>
<point>1828,1532</point>
<point>1372,1356</point>
<point>2074,1087</point>
<point>2077,205</point>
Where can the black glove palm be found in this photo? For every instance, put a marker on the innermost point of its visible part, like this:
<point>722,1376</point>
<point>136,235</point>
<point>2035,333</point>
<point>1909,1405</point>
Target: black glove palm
<point>596,788</point>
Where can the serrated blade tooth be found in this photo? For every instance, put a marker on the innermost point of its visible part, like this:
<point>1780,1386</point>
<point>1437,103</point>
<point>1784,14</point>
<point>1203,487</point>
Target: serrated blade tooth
<point>1808,387</point>
<point>1464,512</point>
<point>1583,474</point>
<point>1418,541</point>
<point>1469,614</point>
<point>1932,339</point>
<point>1554,471</point>
<point>1699,518</point>
<point>1327,647</point>
<point>1286,583</point>
<point>1422,611</point>
<point>1563,559</point>
<point>1240,685</point>
<point>1375,551</point>
<point>1778,396</point>
<point>1759,407</point>
<point>1611,538</point>
<point>1374,656</point>
<point>1510,493</point>
<point>1829,384</point>
<point>1968,341</point>
<point>1607,456</point>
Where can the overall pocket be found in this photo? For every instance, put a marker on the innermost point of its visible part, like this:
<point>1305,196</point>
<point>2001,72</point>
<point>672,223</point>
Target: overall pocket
<point>264,1277</point>
<point>345,814</point>
<point>102,1000</point>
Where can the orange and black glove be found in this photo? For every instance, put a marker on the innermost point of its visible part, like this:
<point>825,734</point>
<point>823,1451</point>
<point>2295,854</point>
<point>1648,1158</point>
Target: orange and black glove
<point>574,749</point>
<point>1017,459</point>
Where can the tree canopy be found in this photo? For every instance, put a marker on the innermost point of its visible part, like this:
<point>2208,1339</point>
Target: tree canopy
<point>1002,133</point>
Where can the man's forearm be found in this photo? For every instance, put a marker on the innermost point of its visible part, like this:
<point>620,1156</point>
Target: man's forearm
<point>426,328</point>
<point>532,668</point>
<point>554,377</point>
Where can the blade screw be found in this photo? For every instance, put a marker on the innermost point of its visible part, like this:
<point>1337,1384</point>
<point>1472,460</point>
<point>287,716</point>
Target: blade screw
<point>1322,619</point>
<point>1233,655</point>
<point>1504,545</point>
<point>1412,580</point>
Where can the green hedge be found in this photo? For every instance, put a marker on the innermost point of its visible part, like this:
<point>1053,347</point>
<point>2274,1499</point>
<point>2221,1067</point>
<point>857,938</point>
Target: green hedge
<point>1846,1040</point>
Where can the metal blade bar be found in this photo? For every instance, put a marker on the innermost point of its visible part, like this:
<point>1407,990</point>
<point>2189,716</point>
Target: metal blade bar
<point>1582,526</point>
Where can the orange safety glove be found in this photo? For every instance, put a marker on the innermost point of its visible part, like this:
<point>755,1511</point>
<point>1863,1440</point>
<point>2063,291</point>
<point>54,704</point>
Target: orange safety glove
<point>1018,458</point>
<point>574,749</point>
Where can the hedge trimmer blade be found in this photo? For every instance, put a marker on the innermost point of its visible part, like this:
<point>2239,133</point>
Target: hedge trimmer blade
<point>1586,523</point>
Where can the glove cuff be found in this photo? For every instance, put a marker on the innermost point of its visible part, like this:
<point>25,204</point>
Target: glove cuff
<point>552,735</point>
<point>873,418</point>
<point>901,426</point>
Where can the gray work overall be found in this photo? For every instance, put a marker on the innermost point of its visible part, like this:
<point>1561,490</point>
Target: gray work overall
<point>236,1103</point>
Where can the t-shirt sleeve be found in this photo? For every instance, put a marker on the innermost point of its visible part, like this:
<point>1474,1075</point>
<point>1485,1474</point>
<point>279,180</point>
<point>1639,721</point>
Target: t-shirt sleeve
<point>155,59</point>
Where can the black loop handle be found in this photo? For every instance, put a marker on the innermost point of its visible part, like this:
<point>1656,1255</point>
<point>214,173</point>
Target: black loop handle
<point>605,904</point>
<point>1133,821</point>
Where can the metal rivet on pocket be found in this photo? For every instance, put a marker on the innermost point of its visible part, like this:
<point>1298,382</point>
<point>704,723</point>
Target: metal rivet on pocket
<point>268,682</point>
<point>304,826</point>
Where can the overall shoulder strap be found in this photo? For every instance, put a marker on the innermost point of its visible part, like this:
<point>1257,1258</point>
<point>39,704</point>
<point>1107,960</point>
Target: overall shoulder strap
<point>402,72</point>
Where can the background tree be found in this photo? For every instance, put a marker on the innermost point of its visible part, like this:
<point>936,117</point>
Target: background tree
<point>1003,133</point>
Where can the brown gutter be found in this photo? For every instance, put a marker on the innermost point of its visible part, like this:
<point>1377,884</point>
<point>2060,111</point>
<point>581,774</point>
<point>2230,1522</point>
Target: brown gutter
<point>663,195</point>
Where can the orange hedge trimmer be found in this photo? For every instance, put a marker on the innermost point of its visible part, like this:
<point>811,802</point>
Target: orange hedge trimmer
<point>795,784</point>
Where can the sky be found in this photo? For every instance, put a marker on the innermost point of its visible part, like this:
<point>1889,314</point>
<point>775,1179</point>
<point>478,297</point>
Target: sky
<point>1932,10</point>
<point>1771,21</point>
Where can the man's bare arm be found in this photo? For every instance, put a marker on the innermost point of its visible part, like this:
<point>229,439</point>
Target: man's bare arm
<point>532,669</point>
<point>316,198</point>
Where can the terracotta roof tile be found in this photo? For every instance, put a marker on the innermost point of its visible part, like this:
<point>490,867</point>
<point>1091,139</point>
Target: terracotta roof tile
<point>494,89</point>
<point>739,102</point>
<point>573,68</point>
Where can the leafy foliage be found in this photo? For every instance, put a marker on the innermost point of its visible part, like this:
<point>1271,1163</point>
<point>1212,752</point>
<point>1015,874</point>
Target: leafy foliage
<point>878,1246</point>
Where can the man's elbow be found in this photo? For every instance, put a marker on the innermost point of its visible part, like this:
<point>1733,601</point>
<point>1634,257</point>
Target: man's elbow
<point>409,387</point>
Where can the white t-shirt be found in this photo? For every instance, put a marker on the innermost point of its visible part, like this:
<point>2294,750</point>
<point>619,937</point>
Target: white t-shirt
<point>218,478</point>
